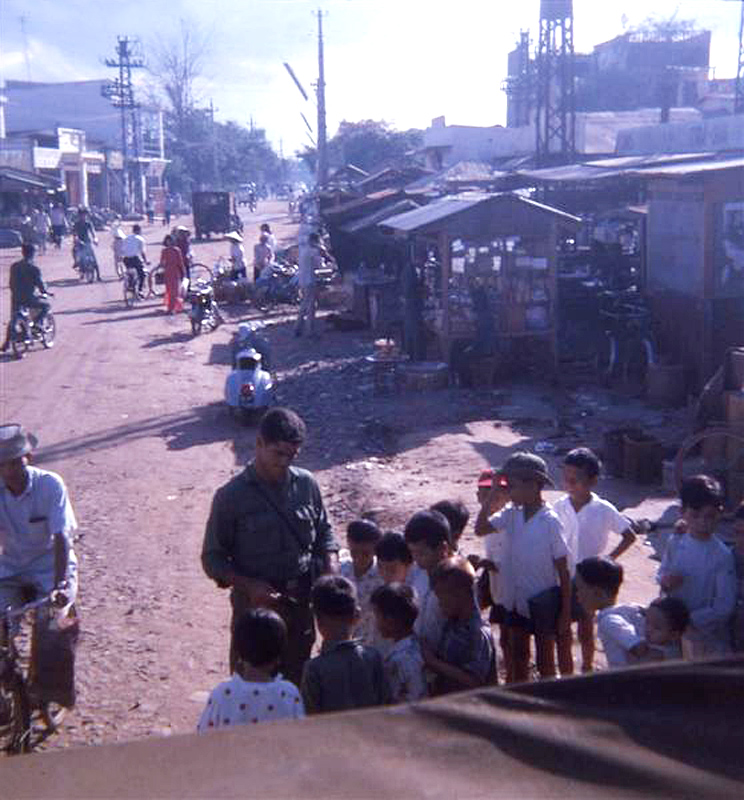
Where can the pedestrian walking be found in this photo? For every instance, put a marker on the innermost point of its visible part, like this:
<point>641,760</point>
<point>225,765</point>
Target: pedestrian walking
<point>174,272</point>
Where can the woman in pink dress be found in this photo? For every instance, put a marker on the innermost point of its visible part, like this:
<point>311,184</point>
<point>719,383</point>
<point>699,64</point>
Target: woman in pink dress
<point>171,261</point>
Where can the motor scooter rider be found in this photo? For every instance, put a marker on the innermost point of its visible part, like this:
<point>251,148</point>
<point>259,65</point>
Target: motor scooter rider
<point>85,237</point>
<point>25,279</point>
<point>134,255</point>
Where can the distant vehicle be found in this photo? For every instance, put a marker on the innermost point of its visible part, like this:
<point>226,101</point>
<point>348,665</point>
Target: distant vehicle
<point>244,194</point>
<point>215,212</point>
<point>10,238</point>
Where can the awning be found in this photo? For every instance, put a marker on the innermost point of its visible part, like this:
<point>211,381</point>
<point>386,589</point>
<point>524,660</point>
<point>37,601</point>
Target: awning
<point>18,180</point>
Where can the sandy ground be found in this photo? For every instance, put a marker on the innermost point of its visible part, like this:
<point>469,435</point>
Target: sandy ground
<point>127,408</point>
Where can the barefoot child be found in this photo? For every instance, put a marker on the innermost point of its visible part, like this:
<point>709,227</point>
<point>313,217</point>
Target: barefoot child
<point>588,520</point>
<point>255,693</point>
<point>395,613</point>
<point>346,674</point>
<point>534,565</point>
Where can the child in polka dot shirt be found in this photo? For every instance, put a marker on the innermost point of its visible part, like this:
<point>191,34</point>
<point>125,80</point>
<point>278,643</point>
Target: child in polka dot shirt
<point>255,693</point>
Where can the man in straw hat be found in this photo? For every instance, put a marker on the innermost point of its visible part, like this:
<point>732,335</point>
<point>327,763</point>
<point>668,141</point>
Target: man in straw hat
<point>36,524</point>
<point>237,255</point>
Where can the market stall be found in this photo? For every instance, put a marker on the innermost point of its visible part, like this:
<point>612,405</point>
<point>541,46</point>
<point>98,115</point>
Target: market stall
<point>487,272</point>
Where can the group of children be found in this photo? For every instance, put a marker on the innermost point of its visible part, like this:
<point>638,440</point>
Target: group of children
<point>403,618</point>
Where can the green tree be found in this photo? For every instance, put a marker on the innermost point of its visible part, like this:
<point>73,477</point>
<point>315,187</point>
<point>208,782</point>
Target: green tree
<point>368,144</point>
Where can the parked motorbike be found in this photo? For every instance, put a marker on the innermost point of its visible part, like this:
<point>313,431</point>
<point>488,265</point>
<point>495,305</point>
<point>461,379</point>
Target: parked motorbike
<point>25,329</point>
<point>249,389</point>
<point>247,338</point>
<point>204,308</point>
<point>278,283</point>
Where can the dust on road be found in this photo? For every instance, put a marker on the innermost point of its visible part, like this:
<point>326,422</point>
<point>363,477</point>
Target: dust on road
<point>127,408</point>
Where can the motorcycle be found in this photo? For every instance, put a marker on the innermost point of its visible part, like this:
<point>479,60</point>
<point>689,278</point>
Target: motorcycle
<point>25,329</point>
<point>249,338</point>
<point>204,308</point>
<point>277,283</point>
<point>249,389</point>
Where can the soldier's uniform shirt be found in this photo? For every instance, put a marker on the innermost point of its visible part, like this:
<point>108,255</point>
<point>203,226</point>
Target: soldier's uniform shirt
<point>246,534</point>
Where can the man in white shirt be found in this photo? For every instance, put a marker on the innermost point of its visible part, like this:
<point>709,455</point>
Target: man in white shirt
<point>134,255</point>
<point>36,525</point>
<point>311,259</point>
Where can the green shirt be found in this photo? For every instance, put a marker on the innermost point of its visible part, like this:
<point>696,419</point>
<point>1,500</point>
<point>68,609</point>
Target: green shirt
<point>247,535</point>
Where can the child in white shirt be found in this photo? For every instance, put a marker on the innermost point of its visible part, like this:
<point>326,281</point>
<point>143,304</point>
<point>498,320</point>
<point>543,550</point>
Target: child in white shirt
<point>255,693</point>
<point>699,569</point>
<point>588,521</point>
<point>629,633</point>
<point>362,537</point>
<point>534,565</point>
<point>395,611</point>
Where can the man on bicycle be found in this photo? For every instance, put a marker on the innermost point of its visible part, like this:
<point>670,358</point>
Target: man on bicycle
<point>134,255</point>
<point>85,236</point>
<point>25,279</point>
<point>36,525</point>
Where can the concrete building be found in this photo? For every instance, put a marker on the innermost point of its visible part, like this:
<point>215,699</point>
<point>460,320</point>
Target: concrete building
<point>70,127</point>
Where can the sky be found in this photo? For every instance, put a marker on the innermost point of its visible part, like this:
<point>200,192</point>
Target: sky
<point>402,61</point>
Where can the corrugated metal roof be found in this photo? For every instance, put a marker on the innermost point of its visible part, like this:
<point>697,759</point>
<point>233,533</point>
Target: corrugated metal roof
<point>623,162</point>
<point>455,204</point>
<point>569,172</point>
<point>690,169</point>
<point>439,209</point>
<point>378,216</point>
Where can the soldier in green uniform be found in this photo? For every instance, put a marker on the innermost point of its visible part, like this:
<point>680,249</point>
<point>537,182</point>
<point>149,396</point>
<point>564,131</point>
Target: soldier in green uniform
<point>268,536</point>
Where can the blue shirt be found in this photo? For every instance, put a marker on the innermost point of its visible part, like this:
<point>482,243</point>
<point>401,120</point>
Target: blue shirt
<point>468,645</point>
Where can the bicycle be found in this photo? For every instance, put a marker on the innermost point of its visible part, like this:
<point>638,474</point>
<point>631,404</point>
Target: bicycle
<point>26,329</point>
<point>627,349</point>
<point>16,704</point>
<point>156,278</point>
<point>130,279</point>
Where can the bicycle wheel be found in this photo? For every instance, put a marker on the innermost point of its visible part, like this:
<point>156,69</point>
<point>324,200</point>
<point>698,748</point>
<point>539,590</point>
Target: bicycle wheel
<point>19,340</point>
<point>156,282</point>
<point>15,714</point>
<point>48,331</point>
<point>200,272</point>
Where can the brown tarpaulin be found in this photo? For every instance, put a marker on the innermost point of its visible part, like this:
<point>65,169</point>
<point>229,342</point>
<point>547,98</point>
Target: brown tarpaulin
<point>674,730</point>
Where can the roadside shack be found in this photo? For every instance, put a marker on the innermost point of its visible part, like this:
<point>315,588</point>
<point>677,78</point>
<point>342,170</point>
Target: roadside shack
<point>695,262</point>
<point>488,265</point>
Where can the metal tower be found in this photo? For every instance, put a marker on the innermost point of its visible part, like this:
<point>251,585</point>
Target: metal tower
<point>739,101</point>
<point>556,104</point>
<point>519,86</point>
<point>121,93</point>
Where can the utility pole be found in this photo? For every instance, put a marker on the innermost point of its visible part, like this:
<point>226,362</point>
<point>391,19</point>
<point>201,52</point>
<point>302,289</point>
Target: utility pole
<point>739,100</point>
<point>215,162</point>
<point>322,176</point>
<point>121,93</point>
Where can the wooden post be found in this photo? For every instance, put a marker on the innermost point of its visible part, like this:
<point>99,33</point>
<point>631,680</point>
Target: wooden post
<point>445,254</point>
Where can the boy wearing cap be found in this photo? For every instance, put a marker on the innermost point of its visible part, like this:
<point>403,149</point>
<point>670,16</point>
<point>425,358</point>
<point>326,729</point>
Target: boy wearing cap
<point>534,566</point>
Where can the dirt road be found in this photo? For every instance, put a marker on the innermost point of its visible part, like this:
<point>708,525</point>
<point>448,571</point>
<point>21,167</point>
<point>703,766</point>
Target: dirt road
<point>127,407</point>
